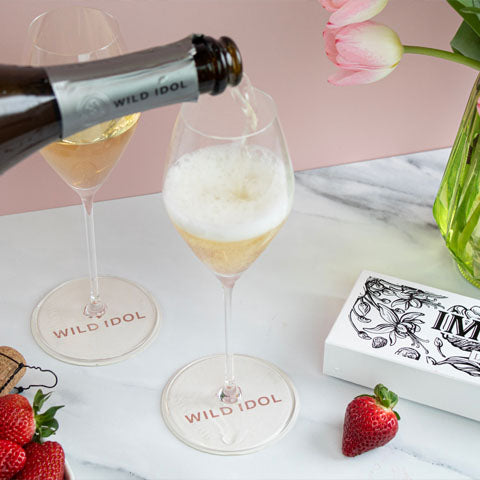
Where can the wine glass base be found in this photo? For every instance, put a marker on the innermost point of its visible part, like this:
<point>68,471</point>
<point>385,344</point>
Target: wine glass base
<point>194,413</point>
<point>129,324</point>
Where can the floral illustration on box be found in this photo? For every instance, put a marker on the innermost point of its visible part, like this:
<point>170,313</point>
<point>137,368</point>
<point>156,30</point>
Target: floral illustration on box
<point>470,364</point>
<point>389,311</point>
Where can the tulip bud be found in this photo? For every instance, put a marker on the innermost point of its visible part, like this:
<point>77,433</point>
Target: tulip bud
<point>365,52</point>
<point>345,12</point>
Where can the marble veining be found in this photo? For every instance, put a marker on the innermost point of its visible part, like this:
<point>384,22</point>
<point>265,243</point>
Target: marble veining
<point>455,472</point>
<point>374,215</point>
<point>386,189</point>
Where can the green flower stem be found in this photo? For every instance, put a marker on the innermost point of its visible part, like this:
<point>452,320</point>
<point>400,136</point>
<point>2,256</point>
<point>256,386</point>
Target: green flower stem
<point>434,52</point>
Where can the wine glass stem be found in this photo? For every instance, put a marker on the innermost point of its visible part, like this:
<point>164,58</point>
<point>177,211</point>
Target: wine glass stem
<point>230,393</point>
<point>95,308</point>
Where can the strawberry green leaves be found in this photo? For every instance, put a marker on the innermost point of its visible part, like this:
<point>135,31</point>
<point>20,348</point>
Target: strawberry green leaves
<point>46,424</point>
<point>385,397</point>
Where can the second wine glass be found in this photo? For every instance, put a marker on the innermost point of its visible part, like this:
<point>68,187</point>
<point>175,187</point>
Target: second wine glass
<point>228,190</point>
<point>94,320</point>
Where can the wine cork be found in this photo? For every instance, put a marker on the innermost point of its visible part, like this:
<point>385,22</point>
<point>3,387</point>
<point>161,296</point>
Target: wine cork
<point>10,374</point>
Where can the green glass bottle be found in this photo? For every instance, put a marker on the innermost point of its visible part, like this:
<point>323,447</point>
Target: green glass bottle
<point>457,205</point>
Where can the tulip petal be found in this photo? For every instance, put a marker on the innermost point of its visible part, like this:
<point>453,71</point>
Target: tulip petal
<point>367,45</point>
<point>330,43</point>
<point>356,11</point>
<point>359,77</point>
<point>333,5</point>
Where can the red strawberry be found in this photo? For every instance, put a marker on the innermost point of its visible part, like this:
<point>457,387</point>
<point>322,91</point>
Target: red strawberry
<point>12,459</point>
<point>369,422</point>
<point>19,421</point>
<point>45,461</point>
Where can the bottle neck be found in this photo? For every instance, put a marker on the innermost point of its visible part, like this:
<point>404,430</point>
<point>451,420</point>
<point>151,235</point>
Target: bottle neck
<point>218,63</point>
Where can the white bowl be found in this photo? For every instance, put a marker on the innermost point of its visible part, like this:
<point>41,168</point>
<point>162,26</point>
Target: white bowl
<point>68,472</point>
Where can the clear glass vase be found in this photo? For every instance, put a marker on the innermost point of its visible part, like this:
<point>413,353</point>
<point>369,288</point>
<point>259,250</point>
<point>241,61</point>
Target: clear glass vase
<point>457,205</point>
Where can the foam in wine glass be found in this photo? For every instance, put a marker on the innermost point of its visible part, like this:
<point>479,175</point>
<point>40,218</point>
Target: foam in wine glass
<point>228,202</point>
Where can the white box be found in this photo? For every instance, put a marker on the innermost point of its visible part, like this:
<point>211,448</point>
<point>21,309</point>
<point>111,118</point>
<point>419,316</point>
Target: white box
<point>421,342</point>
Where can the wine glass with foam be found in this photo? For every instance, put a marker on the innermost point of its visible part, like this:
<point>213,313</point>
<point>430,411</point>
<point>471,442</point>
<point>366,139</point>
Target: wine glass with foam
<point>74,322</point>
<point>228,190</point>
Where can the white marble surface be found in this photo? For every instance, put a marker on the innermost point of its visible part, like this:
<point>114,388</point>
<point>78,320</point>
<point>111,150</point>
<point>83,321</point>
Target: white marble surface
<point>375,215</point>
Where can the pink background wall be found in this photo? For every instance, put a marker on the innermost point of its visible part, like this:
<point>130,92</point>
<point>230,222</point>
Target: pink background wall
<point>418,107</point>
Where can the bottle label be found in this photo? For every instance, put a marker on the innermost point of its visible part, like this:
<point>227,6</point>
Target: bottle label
<point>94,92</point>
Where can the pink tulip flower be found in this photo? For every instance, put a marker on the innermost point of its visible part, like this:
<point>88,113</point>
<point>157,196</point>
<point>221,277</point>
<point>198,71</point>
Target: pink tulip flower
<point>346,12</point>
<point>365,52</point>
